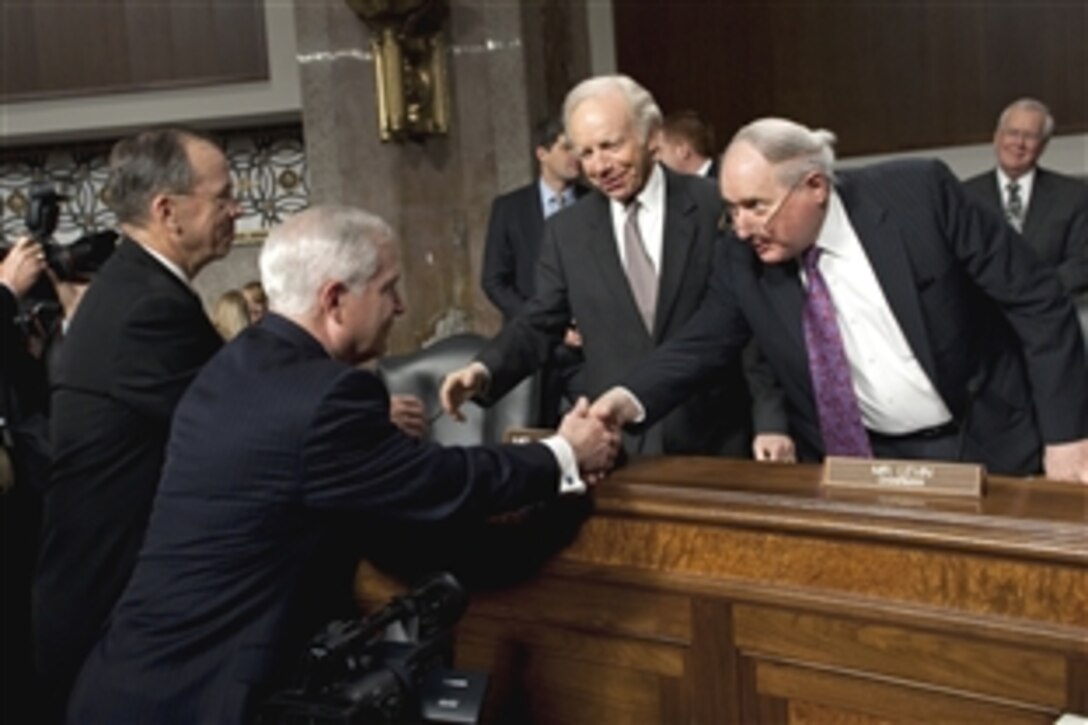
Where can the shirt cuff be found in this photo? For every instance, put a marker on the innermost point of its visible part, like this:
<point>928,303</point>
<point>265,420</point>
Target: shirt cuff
<point>570,481</point>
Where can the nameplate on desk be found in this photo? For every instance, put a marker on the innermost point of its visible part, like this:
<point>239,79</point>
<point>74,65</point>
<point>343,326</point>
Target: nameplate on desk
<point>930,478</point>
<point>526,435</point>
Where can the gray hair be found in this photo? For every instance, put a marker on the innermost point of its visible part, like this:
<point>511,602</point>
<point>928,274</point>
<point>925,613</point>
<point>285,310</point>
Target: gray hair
<point>793,149</point>
<point>1029,104</point>
<point>644,111</point>
<point>143,166</point>
<point>318,245</point>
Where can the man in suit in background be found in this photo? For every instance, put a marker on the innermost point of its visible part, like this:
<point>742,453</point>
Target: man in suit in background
<point>514,232</point>
<point>630,263</point>
<point>1050,210</point>
<point>218,608</point>
<point>137,340</point>
<point>903,319</point>
<point>687,145</point>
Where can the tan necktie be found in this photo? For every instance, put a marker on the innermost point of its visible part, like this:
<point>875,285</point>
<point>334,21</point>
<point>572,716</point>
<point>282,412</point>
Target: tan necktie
<point>640,268</point>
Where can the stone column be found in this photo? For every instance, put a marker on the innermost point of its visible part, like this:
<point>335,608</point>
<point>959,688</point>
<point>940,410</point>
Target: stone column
<point>510,64</point>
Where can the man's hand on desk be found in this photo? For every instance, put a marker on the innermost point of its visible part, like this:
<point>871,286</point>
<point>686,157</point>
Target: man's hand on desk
<point>595,444</point>
<point>1067,461</point>
<point>459,386</point>
<point>776,447</point>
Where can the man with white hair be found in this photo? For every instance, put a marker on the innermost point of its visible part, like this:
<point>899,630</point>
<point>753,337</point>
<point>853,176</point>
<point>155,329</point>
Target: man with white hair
<point>1049,209</point>
<point>902,318</point>
<point>630,264</point>
<point>281,442</point>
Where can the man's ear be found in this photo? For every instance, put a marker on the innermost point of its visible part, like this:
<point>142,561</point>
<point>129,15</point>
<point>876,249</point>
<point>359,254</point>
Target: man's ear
<point>330,299</point>
<point>654,140</point>
<point>820,184</point>
<point>163,211</point>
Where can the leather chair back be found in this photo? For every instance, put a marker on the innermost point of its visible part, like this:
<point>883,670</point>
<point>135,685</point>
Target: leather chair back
<point>420,373</point>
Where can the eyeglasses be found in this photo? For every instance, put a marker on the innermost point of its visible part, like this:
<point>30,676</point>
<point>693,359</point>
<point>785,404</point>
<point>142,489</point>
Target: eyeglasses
<point>761,211</point>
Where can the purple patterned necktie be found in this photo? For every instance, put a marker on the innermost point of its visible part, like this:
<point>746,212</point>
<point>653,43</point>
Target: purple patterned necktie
<point>836,403</point>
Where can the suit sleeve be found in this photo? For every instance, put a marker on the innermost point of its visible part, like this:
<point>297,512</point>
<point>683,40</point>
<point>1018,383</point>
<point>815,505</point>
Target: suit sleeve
<point>1073,269</point>
<point>1032,300</point>
<point>712,339</point>
<point>525,344</point>
<point>165,342</point>
<point>768,396</point>
<point>355,458</point>
<point>500,264</point>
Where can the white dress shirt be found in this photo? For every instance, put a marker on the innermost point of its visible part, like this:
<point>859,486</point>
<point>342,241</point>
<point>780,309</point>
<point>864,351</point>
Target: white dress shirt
<point>651,218</point>
<point>895,394</point>
<point>1026,182</point>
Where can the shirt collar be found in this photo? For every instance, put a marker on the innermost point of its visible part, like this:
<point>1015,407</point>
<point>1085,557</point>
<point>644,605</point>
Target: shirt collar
<point>173,268</point>
<point>1025,182</point>
<point>547,194</point>
<point>652,196</point>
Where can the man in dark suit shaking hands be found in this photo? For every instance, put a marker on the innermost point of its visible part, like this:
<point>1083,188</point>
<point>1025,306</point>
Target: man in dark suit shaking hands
<point>137,340</point>
<point>630,264</point>
<point>903,319</point>
<point>280,442</point>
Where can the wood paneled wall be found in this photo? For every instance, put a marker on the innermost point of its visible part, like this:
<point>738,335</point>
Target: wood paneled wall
<point>80,47</point>
<point>885,76</point>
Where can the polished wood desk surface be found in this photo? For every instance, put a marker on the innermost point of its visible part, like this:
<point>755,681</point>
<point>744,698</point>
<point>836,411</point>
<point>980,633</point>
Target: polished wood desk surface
<point>1026,517</point>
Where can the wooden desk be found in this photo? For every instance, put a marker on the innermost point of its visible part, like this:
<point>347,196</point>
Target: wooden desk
<point>714,591</point>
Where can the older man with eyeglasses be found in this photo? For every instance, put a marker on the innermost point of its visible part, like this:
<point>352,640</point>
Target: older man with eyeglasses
<point>137,340</point>
<point>630,263</point>
<point>902,318</point>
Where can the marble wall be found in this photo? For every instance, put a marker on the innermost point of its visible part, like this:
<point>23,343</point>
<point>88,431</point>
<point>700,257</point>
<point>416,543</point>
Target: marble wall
<point>437,193</point>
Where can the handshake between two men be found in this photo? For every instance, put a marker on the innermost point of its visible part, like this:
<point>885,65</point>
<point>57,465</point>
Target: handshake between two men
<point>592,430</point>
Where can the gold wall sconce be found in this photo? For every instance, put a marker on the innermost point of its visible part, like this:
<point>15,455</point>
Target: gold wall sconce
<point>410,65</point>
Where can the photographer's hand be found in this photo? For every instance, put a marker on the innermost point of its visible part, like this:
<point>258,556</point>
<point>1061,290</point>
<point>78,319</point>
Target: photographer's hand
<point>22,267</point>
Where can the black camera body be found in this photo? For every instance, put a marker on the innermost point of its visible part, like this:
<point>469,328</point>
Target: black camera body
<point>388,668</point>
<point>69,262</point>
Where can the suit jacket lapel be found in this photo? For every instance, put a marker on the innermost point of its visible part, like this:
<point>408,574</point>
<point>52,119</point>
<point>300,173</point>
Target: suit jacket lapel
<point>1040,202</point>
<point>678,238</point>
<point>886,248</point>
<point>602,249</point>
<point>782,286</point>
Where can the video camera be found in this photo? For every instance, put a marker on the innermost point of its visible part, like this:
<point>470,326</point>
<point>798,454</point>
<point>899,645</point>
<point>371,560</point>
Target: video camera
<point>387,668</point>
<point>69,262</point>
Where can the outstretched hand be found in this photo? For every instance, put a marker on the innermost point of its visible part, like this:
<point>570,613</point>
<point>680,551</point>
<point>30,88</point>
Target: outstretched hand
<point>459,386</point>
<point>595,444</point>
<point>615,408</point>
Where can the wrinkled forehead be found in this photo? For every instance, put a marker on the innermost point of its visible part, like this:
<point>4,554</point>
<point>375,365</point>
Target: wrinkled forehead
<point>1025,119</point>
<point>745,173</point>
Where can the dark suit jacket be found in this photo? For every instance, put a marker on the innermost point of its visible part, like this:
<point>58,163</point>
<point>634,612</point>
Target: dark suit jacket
<point>136,342</point>
<point>273,445</point>
<point>580,276</point>
<point>988,323</point>
<point>514,231</point>
<point>1056,225</point>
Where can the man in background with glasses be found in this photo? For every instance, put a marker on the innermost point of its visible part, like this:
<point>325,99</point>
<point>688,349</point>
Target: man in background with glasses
<point>136,342</point>
<point>1049,209</point>
<point>902,318</point>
